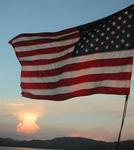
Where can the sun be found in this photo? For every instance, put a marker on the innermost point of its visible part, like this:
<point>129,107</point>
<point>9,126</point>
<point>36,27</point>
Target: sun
<point>27,122</point>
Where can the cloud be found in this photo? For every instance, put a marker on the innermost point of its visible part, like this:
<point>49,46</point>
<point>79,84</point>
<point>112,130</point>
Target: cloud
<point>14,104</point>
<point>26,113</point>
<point>22,104</point>
<point>27,122</point>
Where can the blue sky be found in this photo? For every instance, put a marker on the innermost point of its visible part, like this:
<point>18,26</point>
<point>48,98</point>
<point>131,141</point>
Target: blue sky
<point>96,116</point>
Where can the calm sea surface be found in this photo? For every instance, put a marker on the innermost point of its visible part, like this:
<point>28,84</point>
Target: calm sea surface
<point>21,148</point>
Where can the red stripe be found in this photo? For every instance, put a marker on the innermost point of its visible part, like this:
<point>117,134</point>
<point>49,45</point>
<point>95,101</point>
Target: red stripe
<point>45,61</point>
<point>43,51</point>
<point>66,31</point>
<point>79,66</point>
<point>43,41</point>
<point>84,92</point>
<point>77,80</point>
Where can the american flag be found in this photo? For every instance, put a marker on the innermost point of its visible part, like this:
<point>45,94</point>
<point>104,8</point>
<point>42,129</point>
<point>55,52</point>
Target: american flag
<point>93,58</point>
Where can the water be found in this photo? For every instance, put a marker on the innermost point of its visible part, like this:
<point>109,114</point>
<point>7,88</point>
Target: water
<point>21,148</point>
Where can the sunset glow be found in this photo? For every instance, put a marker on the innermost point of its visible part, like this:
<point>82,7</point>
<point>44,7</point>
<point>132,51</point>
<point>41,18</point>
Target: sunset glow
<point>27,122</point>
<point>75,135</point>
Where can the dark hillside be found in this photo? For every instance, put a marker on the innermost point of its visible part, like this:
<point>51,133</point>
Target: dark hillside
<point>67,143</point>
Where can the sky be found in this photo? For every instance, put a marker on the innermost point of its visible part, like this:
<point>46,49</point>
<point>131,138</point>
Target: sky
<point>97,116</point>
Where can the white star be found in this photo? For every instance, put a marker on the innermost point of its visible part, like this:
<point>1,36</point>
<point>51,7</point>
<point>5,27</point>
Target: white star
<point>97,30</point>
<point>92,35</point>
<point>103,25</point>
<point>107,38</point>
<point>130,16</point>
<point>126,12</point>
<point>129,26</point>
<point>113,32</point>
<point>97,48</point>
<point>124,21</point>
<point>84,38</point>
<point>112,42</point>
<point>77,52</point>
<point>89,33</point>
<point>102,34</point>
<point>107,47</point>
<point>128,35</point>
<point>82,46</point>
<point>96,39</point>
<point>118,27</point>
<point>86,50</point>
<point>117,46</point>
<point>87,41</point>
<point>119,18</point>
<point>127,44</point>
<point>102,43</point>
<point>117,36</point>
<point>113,23</point>
<point>122,40</point>
<point>108,29</point>
<point>123,31</point>
<point>92,45</point>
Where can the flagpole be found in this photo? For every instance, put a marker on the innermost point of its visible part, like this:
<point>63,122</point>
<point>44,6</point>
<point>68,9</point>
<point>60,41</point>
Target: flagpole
<point>122,123</point>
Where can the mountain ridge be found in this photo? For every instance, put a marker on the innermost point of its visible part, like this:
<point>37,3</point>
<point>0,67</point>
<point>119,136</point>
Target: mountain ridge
<point>68,143</point>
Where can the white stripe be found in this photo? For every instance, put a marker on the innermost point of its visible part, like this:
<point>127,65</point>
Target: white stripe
<point>21,39</point>
<point>46,45</point>
<point>73,88</point>
<point>84,58</point>
<point>47,56</point>
<point>73,74</point>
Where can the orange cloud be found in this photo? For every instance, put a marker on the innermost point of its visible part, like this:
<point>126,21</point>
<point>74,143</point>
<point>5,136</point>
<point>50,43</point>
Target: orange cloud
<point>27,122</point>
<point>27,114</point>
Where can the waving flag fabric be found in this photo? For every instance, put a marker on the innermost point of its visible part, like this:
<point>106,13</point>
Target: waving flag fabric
<point>93,58</point>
